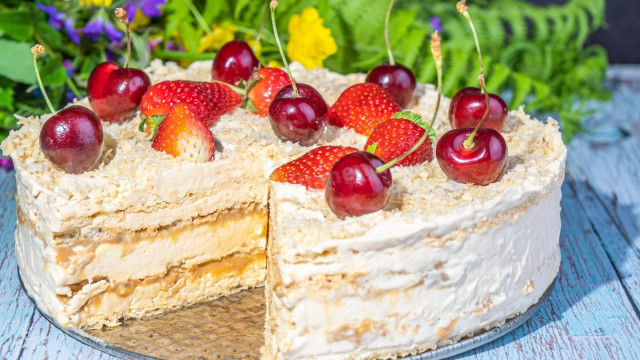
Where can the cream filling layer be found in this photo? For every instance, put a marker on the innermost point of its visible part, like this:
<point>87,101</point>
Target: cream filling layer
<point>176,289</point>
<point>137,255</point>
<point>413,296</point>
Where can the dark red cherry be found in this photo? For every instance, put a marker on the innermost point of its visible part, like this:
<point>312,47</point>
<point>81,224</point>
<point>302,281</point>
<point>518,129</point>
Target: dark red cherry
<point>235,61</point>
<point>115,93</point>
<point>482,164</point>
<point>72,139</point>
<point>298,119</point>
<point>397,79</point>
<point>354,188</point>
<point>468,106</point>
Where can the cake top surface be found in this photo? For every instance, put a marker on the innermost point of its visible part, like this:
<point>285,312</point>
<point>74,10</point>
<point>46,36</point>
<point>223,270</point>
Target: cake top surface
<point>133,176</point>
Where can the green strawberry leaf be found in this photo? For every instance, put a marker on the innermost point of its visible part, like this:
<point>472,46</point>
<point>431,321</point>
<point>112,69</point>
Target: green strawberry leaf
<point>372,148</point>
<point>416,119</point>
<point>149,123</point>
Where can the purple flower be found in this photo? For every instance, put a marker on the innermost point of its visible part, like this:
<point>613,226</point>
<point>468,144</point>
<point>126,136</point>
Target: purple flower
<point>94,29</point>
<point>6,163</point>
<point>69,96</point>
<point>109,54</point>
<point>68,65</point>
<point>436,24</point>
<point>71,31</point>
<point>150,8</point>
<point>153,43</point>
<point>173,46</point>
<point>55,18</point>
<point>58,19</point>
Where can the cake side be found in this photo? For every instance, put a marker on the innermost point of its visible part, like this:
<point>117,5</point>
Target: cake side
<point>416,295</point>
<point>360,287</point>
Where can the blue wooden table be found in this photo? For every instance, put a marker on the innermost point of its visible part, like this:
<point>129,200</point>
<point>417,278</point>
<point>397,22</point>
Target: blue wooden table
<point>592,312</point>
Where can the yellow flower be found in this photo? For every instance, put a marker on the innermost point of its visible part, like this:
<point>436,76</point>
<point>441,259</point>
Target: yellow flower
<point>103,3</point>
<point>220,35</point>
<point>310,43</point>
<point>274,64</point>
<point>251,41</point>
<point>140,20</point>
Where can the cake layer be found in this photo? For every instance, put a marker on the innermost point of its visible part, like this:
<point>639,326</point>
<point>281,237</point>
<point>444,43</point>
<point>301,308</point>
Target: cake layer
<point>177,288</point>
<point>419,293</point>
<point>122,255</point>
<point>135,257</point>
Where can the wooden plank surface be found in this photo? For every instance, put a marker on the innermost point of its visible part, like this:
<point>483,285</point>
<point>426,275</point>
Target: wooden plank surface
<point>591,314</point>
<point>605,174</point>
<point>17,310</point>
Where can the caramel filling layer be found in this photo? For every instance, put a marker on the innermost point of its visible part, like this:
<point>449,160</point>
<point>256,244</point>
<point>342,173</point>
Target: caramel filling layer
<point>83,249</point>
<point>233,265</point>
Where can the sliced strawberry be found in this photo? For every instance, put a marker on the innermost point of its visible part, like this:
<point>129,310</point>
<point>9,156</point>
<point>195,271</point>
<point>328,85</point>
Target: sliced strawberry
<point>263,87</point>
<point>312,168</point>
<point>210,100</point>
<point>396,136</point>
<point>183,134</point>
<point>362,107</point>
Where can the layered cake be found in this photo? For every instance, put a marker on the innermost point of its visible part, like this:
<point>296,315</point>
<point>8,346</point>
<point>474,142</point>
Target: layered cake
<point>145,232</point>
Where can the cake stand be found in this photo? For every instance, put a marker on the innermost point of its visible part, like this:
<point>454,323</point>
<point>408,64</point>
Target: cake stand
<point>231,327</point>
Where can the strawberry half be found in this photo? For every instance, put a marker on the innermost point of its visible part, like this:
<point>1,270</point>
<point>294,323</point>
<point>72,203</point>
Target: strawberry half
<point>210,100</point>
<point>183,134</point>
<point>362,107</point>
<point>397,135</point>
<point>312,168</point>
<point>263,87</point>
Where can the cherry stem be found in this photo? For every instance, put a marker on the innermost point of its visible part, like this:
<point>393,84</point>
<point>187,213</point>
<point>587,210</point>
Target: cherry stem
<point>468,143</point>
<point>437,58</point>
<point>264,20</point>
<point>273,6</point>
<point>124,17</point>
<point>199,18</point>
<point>386,33</point>
<point>37,50</point>
<point>464,10</point>
<point>238,90</point>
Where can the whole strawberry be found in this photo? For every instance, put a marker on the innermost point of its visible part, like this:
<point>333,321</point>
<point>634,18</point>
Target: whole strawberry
<point>312,168</point>
<point>183,134</point>
<point>263,87</point>
<point>210,100</point>
<point>362,107</point>
<point>397,135</point>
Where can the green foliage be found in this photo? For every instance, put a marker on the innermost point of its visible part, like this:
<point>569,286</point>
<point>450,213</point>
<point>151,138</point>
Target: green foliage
<point>533,55</point>
<point>537,54</point>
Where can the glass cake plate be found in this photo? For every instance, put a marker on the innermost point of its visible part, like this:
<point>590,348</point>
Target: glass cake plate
<point>231,327</point>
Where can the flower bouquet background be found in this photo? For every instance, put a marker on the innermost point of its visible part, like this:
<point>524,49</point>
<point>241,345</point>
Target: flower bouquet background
<point>535,55</point>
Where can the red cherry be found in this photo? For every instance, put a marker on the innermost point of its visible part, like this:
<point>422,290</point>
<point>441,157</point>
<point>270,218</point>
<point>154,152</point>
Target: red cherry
<point>354,188</point>
<point>72,139</point>
<point>397,79</point>
<point>298,119</point>
<point>235,61</point>
<point>482,164</point>
<point>468,106</point>
<point>115,93</point>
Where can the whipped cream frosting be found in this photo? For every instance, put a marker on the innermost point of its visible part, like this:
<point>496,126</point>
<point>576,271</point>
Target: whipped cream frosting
<point>337,288</point>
